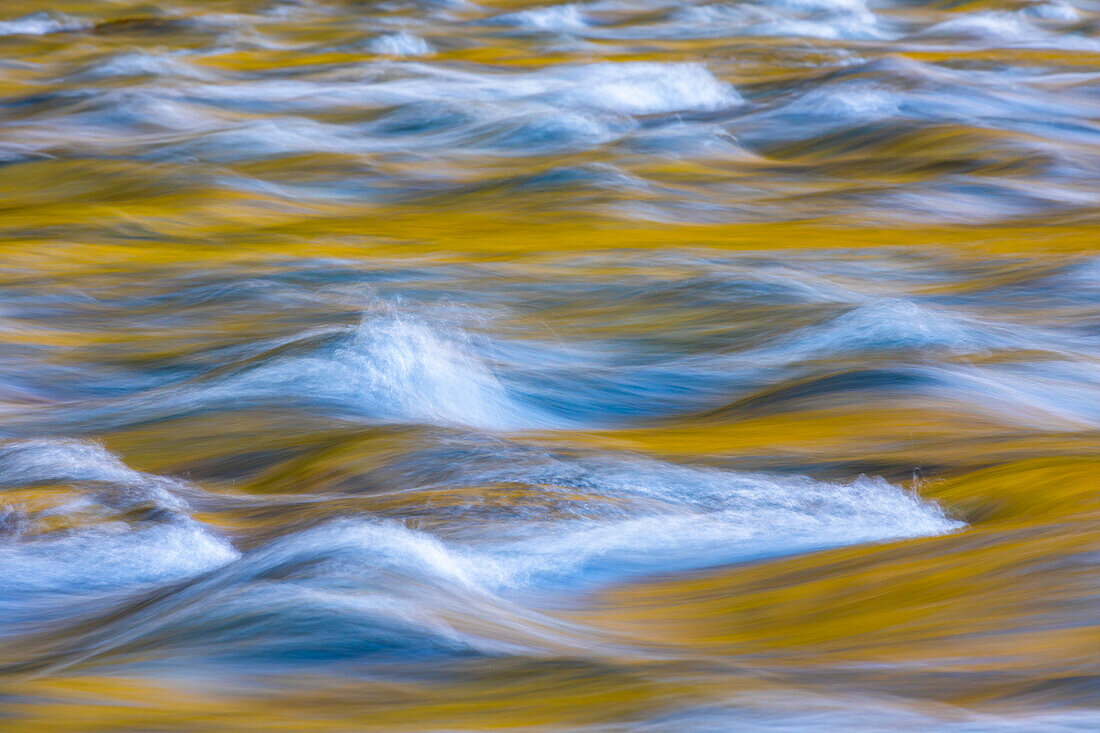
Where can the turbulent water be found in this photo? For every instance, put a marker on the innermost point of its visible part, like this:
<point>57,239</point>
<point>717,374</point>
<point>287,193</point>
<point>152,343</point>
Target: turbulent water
<point>630,365</point>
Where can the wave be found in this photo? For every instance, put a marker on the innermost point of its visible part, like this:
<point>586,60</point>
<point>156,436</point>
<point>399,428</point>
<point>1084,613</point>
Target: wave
<point>138,64</point>
<point>393,369</point>
<point>38,24</point>
<point>895,324</point>
<point>821,19</point>
<point>550,18</point>
<point>375,590</point>
<point>401,43</point>
<point>407,369</point>
<point>570,107</point>
<point>78,522</point>
<point>638,516</point>
<point>1015,29</point>
<point>409,362</point>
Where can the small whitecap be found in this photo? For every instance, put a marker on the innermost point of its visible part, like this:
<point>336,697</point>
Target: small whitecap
<point>41,461</point>
<point>638,516</point>
<point>892,324</point>
<point>401,43</point>
<point>640,88</point>
<point>824,19</point>
<point>552,18</point>
<point>351,588</point>
<point>847,101</point>
<point>382,588</point>
<point>39,24</point>
<point>138,64</point>
<point>267,138</point>
<point>832,30</point>
<point>828,7</point>
<point>624,517</point>
<point>392,548</point>
<point>98,474</point>
<point>992,25</point>
<point>1010,29</point>
<point>111,546</point>
<point>392,369</point>
<point>541,133</point>
<point>1052,10</point>
<point>107,557</point>
<point>408,369</point>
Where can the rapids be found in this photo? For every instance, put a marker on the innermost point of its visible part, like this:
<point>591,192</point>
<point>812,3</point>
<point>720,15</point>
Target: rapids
<point>627,365</point>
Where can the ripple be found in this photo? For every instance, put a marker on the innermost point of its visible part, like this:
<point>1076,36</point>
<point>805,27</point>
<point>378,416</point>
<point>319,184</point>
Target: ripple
<point>376,590</point>
<point>82,522</point>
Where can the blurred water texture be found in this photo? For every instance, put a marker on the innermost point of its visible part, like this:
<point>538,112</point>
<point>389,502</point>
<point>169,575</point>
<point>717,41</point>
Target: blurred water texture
<point>631,365</point>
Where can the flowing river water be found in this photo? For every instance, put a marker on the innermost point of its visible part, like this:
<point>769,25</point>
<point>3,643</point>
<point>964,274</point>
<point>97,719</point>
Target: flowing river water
<point>629,365</point>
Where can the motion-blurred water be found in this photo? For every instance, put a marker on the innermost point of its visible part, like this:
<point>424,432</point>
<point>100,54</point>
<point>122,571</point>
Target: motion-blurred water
<point>638,365</point>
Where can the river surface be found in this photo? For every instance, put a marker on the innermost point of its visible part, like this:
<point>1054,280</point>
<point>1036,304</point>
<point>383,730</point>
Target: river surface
<point>629,365</point>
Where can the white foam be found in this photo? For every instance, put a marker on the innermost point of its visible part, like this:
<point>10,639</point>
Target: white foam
<point>622,517</point>
<point>401,43</point>
<point>97,475</point>
<point>847,102</point>
<point>712,515</point>
<point>465,113</point>
<point>639,88</point>
<point>381,586</point>
<point>406,369</point>
<point>268,138</point>
<point>43,461</point>
<point>550,18</point>
<point>1011,29</point>
<point>824,19</point>
<point>607,519</point>
<point>992,25</point>
<point>138,63</point>
<point>39,24</point>
<point>1052,10</point>
<point>109,557</point>
<point>895,323</point>
<point>388,548</point>
<point>108,551</point>
<point>392,368</point>
<point>345,588</point>
<point>628,88</point>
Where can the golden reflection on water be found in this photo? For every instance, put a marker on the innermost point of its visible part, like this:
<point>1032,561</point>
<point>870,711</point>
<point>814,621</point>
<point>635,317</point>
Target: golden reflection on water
<point>100,247</point>
<point>997,619</point>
